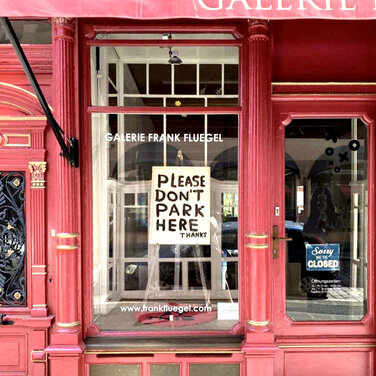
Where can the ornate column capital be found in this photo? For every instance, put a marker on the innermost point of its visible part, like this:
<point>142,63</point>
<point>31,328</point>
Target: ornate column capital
<point>63,21</point>
<point>258,29</point>
<point>37,170</point>
<point>64,28</point>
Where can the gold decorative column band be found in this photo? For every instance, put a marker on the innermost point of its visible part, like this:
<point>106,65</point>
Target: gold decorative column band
<point>67,235</point>
<point>39,305</point>
<point>258,323</point>
<point>67,324</point>
<point>257,246</point>
<point>256,236</point>
<point>39,266</point>
<point>37,170</point>
<point>67,247</point>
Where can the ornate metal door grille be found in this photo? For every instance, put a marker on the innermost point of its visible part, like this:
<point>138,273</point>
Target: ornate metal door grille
<point>12,239</point>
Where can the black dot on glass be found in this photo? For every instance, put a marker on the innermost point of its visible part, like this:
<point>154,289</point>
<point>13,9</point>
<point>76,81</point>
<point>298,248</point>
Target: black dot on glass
<point>329,151</point>
<point>337,170</point>
<point>354,145</point>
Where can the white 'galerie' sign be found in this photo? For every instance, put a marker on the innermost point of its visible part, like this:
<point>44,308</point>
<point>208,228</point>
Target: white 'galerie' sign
<point>180,205</point>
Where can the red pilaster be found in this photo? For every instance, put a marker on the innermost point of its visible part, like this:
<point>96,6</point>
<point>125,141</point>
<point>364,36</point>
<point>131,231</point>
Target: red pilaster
<point>66,345</point>
<point>67,237</point>
<point>259,344</point>
<point>257,237</point>
<point>37,229</point>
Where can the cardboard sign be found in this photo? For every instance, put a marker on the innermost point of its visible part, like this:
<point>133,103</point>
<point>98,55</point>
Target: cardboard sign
<point>322,257</point>
<point>180,205</point>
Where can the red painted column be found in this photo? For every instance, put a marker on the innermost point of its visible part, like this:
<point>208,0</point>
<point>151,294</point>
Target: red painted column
<point>66,346</point>
<point>67,230</point>
<point>259,345</point>
<point>258,226</point>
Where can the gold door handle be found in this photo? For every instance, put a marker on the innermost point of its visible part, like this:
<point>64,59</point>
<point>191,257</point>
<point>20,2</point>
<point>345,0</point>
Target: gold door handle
<point>276,240</point>
<point>285,239</point>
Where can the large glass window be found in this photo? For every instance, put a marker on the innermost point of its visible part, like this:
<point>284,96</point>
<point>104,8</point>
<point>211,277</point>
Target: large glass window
<point>326,219</point>
<point>145,284</point>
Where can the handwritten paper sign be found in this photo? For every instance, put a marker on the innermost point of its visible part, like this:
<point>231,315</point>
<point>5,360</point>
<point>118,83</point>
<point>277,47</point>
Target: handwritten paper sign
<point>180,205</point>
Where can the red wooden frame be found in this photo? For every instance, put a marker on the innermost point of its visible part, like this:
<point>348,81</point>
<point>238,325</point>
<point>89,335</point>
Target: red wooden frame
<point>88,30</point>
<point>285,109</point>
<point>181,359</point>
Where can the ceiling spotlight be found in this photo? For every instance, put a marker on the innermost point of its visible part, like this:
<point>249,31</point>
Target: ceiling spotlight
<point>174,57</point>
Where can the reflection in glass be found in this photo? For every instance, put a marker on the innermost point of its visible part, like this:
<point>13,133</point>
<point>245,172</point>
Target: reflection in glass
<point>143,77</point>
<point>146,286</point>
<point>114,369</point>
<point>326,217</point>
<point>185,79</point>
<point>164,370</point>
<point>214,369</point>
<point>135,275</point>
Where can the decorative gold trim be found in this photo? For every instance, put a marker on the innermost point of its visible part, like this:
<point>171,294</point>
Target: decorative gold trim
<point>257,246</point>
<point>6,139</point>
<point>37,170</point>
<point>344,345</point>
<point>39,305</point>
<point>258,323</point>
<point>324,83</point>
<point>67,246</point>
<point>38,273</point>
<point>23,90</point>
<point>17,106</point>
<point>68,235</point>
<point>22,118</point>
<point>38,361</point>
<point>256,236</point>
<point>39,266</point>
<point>67,324</point>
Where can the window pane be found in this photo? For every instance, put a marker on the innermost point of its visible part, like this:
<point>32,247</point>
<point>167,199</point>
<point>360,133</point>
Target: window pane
<point>326,217</point>
<point>143,76</point>
<point>165,285</point>
<point>115,369</point>
<point>185,79</point>
<point>214,369</point>
<point>134,78</point>
<point>30,32</point>
<point>160,78</point>
<point>164,370</point>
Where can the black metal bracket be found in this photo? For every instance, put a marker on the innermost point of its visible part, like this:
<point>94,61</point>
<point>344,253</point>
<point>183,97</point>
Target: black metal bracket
<point>70,151</point>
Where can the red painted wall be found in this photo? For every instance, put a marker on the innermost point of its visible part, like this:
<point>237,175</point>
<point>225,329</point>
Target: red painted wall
<point>324,51</point>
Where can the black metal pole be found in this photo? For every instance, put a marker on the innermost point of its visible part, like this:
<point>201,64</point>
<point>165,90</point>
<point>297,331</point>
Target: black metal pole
<point>71,155</point>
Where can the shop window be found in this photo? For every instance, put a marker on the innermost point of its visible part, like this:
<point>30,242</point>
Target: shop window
<point>12,239</point>
<point>142,284</point>
<point>326,187</point>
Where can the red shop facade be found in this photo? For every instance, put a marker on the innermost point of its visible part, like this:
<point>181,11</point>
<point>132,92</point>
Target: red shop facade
<point>221,216</point>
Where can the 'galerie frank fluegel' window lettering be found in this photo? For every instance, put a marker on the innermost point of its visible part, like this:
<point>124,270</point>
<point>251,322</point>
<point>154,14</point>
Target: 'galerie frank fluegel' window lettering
<point>12,239</point>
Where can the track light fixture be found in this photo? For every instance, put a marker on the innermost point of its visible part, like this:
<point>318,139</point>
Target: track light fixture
<point>174,57</point>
